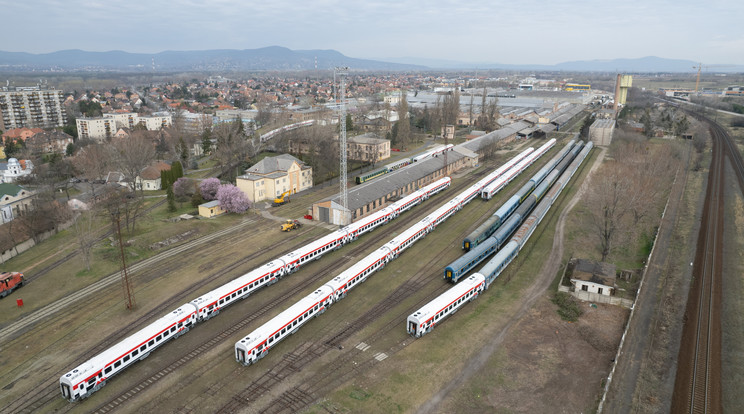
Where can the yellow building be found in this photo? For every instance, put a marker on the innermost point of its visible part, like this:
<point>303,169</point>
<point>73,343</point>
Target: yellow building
<point>210,209</point>
<point>624,83</point>
<point>272,176</point>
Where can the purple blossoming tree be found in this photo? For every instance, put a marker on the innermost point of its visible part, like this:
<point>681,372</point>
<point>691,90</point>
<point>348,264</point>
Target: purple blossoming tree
<point>232,199</point>
<point>208,188</point>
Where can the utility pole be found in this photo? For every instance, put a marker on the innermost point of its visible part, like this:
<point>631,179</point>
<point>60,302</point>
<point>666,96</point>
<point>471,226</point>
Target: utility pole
<point>125,282</point>
<point>342,72</point>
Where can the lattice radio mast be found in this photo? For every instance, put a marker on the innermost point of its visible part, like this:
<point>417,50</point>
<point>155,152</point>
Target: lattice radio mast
<point>342,72</point>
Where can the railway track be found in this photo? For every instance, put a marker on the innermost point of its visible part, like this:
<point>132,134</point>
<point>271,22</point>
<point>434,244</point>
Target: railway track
<point>343,367</point>
<point>74,253</point>
<point>47,390</point>
<point>697,387</point>
<point>346,364</point>
<point>195,352</point>
<point>375,238</point>
<point>12,330</point>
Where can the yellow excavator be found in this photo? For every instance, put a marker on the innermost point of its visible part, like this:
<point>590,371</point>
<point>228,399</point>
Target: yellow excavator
<point>282,199</point>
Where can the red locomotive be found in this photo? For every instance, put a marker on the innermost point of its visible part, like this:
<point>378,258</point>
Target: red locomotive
<point>10,281</point>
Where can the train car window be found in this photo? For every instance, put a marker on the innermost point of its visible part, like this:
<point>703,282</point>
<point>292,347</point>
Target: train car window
<point>116,364</point>
<point>271,340</point>
<point>173,329</point>
<point>91,381</point>
<point>151,343</point>
<point>142,348</point>
<point>107,370</point>
<point>284,330</point>
<point>135,352</point>
<point>126,358</point>
<point>276,336</point>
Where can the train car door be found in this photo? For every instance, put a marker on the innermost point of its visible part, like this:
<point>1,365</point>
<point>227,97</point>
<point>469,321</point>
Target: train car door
<point>241,355</point>
<point>66,391</point>
<point>412,327</point>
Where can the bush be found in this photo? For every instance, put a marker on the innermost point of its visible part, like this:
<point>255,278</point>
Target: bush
<point>183,188</point>
<point>196,200</point>
<point>737,122</point>
<point>568,306</point>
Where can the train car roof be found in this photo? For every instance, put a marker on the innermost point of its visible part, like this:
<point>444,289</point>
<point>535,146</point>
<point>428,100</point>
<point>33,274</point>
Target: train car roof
<point>111,354</point>
<point>443,300</point>
<point>277,322</point>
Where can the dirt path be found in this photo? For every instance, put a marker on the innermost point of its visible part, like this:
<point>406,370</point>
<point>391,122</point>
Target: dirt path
<point>549,269</point>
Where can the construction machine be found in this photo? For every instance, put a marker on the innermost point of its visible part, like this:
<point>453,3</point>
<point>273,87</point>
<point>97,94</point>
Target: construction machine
<point>282,199</point>
<point>291,225</point>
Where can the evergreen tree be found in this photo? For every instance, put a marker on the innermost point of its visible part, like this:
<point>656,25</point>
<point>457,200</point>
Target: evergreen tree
<point>197,199</point>
<point>184,153</point>
<point>171,199</point>
<point>176,170</point>
<point>206,142</point>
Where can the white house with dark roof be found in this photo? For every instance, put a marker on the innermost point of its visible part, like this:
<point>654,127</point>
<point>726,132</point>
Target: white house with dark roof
<point>13,200</point>
<point>272,176</point>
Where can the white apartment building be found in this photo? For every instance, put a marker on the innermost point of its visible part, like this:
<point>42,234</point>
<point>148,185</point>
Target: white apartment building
<point>31,107</point>
<point>106,126</point>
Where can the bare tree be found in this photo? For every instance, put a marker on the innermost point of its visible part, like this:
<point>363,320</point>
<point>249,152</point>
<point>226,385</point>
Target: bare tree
<point>404,123</point>
<point>83,229</point>
<point>93,162</point>
<point>132,155</point>
<point>607,204</point>
<point>232,149</point>
<point>449,108</point>
<point>489,113</point>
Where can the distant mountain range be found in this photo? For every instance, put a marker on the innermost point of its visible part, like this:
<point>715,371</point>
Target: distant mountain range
<point>648,64</point>
<point>276,58</point>
<point>267,58</point>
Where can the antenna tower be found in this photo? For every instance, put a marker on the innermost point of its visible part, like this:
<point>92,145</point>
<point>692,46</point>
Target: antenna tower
<point>342,72</point>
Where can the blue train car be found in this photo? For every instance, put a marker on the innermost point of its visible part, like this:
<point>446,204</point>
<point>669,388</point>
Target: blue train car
<point>489,226</point>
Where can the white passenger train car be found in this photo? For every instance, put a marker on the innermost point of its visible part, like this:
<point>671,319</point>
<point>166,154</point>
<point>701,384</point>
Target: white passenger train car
<point>93,374</point>
<point>423,320</point>
<point>257,344</point>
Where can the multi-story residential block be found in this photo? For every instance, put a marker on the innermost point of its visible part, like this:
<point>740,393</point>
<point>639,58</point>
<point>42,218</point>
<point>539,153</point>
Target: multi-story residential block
<point>95,128</point>
<point>109,124</point>
<point>31,107</point>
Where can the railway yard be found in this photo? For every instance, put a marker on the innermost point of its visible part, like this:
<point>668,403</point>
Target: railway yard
<point>495,353</point>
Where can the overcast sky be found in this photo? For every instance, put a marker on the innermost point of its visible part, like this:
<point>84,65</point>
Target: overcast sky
<point>517,31</point>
